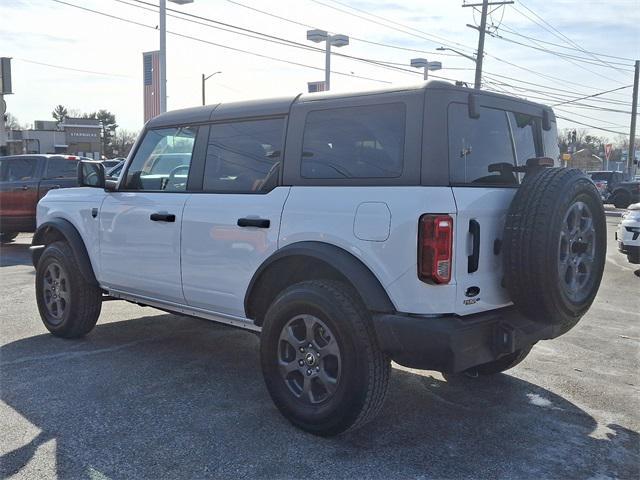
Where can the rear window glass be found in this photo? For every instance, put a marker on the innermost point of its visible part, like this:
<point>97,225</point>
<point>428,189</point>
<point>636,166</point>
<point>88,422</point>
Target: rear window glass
<point>479,148</point>
<point>522,127</point>
<point>61,168</point>
<point>354,142</point>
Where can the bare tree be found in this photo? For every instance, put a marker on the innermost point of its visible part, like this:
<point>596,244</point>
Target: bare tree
<point>12,122</point>
<point>124,140</point>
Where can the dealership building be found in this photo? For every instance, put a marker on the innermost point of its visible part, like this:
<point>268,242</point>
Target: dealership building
<point>74,136</point>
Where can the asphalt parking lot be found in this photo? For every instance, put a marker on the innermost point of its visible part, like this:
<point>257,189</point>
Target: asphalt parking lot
<point>152,395</point>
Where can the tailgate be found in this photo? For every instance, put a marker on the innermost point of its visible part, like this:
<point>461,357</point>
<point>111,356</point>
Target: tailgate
<point>478,236</point>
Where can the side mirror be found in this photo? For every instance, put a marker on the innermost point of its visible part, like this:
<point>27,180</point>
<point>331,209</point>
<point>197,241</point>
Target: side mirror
<point>91,174</point>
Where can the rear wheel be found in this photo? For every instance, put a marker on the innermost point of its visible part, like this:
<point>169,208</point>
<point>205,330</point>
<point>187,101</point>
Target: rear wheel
<point>8,237</point>
<point>68,305</point>
<point>320,358</point>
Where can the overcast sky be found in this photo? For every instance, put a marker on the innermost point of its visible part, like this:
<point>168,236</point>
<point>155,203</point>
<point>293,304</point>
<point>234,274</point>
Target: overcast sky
<point>52,33</point>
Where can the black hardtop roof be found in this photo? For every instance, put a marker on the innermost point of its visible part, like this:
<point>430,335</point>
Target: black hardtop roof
<point>281,105</point>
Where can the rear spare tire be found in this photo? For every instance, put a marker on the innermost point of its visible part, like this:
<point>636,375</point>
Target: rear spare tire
<point>555,246</point>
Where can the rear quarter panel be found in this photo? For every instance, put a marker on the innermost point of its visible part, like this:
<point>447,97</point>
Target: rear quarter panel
<point>332,215</point>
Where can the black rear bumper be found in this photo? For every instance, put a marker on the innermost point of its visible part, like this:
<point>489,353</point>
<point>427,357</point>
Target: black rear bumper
<point>453,343</point>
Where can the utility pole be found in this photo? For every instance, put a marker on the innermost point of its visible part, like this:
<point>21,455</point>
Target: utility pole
<point>482,29</point>
<point>634,113</point>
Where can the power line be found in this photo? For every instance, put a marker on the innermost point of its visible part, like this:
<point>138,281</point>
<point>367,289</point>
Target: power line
<point>590,126</point>
<point>351,37</point>
<point>270,38</point>
<point>511,31</point>
<point>115,17</point>
<point>557,33</point>
<point>72,69</point>
<point>594,95</point>
<point>567,58</point>
<point>423,35</point>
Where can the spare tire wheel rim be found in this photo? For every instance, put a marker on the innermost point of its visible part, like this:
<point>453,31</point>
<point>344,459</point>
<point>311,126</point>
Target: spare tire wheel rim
<point>576,253</point>
<point>309,359</point>
<point>55,291</point>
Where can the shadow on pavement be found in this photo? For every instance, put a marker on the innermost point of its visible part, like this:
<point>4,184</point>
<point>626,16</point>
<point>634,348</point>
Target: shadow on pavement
<point>14,254</point>
<point>172,397</point>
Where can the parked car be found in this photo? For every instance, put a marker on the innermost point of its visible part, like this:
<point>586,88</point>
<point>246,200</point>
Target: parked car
<point>108,164</point>
<point>615,189</point>
<point>628,234</point>
<point>25,179</point>
<point>114,172</point>
<point>425,225</point>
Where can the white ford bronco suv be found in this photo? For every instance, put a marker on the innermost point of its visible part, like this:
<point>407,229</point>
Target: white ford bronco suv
<point>425,225</point>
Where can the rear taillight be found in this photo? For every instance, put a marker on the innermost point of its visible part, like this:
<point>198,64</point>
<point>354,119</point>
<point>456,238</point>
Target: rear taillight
<point>435,240</point>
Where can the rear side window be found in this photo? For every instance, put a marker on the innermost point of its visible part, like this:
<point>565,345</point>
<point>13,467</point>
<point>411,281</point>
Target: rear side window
<point>162,161</point>
<point>61,168</point>
<point>354,142</point>
<point>477,147</point>
<point>244,157</point>
<point>18,169</point>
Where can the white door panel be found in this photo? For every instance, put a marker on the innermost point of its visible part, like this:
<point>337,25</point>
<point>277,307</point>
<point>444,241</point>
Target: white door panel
<point>219,257</point>
<point>488,207</point>
<point>139,255</point>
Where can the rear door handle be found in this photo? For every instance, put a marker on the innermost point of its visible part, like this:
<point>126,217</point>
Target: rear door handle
<point>23,187</point>
<point>254,222</point>
<point>163,217</point>
<point>474,258</point>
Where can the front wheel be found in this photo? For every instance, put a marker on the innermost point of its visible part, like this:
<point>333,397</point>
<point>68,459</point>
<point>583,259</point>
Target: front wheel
<point>68,305</point>
<point>320,358</point>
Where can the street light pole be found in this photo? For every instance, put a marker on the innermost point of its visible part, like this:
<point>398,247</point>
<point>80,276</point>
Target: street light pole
<point>428,66</point>
<point>163,56</point>
<point>634,112</point>
<point>327,65</point>
<point>204,79</point>
<point>163,51</point>
<point>336,40</point>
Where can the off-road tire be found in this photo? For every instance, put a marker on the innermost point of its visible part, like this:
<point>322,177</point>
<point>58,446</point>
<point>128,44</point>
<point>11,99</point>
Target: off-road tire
<point>535,237</point>
<point>82,310</point>
<point>365,369</point>
<point>8,237</point>
<point>621,199</point>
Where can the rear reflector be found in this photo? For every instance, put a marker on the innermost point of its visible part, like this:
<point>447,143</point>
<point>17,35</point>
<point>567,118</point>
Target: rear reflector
<point>435,240</point>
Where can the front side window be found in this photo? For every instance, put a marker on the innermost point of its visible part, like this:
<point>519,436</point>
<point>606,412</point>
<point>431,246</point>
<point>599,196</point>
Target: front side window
<point>480,149</point>
<point>162,161</point>
<point>244,157</point>
<point>61,168</point>
<point>354,142</point>
<point>18,169</point>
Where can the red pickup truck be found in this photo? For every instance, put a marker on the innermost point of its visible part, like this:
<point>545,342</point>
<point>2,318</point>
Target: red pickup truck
<point>24,180</point>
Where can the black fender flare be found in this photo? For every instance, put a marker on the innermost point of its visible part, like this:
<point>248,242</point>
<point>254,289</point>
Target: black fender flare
<point>366,284</point>
<point>61,227</point>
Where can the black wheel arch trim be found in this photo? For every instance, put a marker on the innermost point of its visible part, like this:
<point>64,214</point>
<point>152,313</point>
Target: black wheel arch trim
<point>361,277</point>
<point>73,238</point>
